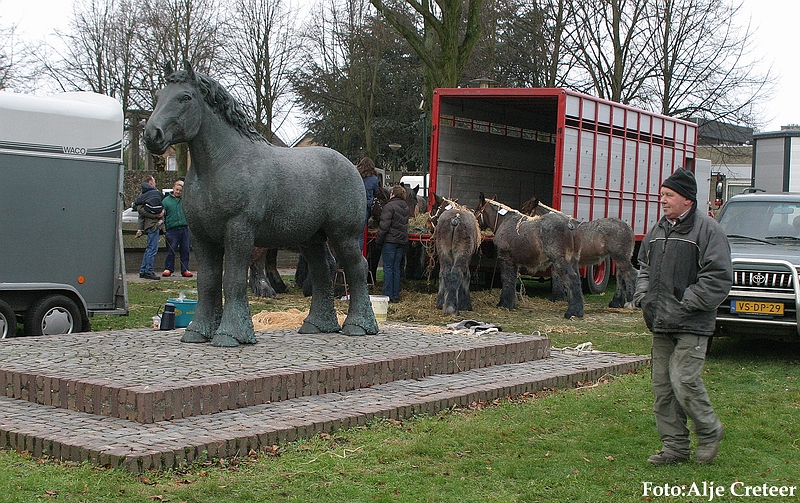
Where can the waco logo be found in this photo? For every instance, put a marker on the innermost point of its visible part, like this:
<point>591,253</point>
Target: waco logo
<point>74,150</point>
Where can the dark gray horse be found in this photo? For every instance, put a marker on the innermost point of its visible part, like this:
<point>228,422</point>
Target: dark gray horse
<point>601,238</point>
<point>534,243</point>
<point>457,237</point>
<point>241,191</point>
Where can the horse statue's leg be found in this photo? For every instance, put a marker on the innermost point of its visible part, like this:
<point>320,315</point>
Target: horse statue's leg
<point>236,326</point>
<point>208,313</point>
<point>321,267</point>
<point>360,317</point>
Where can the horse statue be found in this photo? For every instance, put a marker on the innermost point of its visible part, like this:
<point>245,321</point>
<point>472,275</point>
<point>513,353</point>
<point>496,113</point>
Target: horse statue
<point>241,192</point>
<point>601,238</point>
<point>535,243</point>
<point>457,237</point>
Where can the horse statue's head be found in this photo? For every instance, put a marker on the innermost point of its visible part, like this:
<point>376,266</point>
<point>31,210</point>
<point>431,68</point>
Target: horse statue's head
<point>180,106</point>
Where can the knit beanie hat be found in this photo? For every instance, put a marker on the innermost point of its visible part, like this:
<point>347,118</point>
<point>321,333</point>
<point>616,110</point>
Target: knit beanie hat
<point>682,181</point>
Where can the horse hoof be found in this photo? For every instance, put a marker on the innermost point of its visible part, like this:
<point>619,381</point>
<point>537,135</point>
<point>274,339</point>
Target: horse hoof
<point>193,337</point>
<point>353,331</point>
<point>308,328</point>
<point>224,341</point>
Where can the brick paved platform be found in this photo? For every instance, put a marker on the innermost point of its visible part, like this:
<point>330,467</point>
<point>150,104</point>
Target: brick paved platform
<point>140,399</point>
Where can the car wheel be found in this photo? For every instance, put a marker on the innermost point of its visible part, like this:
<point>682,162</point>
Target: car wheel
<point>8,321</point>
<point>54,314</point>
<point>597,276</point>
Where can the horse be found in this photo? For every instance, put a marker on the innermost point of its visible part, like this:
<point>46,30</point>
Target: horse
<point>417,204</point>
<point>241,192</point>
<point>602,238</point>
<point>535,243</point>
<point>457,237</point>
<point>265,280</point>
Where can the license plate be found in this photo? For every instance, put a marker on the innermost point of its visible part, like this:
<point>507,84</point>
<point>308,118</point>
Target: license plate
<point>751,307</point>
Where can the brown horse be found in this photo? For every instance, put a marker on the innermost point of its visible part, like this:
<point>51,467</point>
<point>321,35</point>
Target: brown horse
<point>535,243</point>
<point>600,239</point>
<point>457,237</point>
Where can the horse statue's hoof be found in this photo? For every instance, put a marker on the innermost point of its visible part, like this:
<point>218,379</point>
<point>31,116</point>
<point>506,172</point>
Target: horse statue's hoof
<point>353,330</point>
<point>308,328</point>
<point>192,336</point>
<point>224,341</point>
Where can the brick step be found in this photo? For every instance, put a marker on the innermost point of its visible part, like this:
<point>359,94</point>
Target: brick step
<point>79,436</point>
<point>147,375</point>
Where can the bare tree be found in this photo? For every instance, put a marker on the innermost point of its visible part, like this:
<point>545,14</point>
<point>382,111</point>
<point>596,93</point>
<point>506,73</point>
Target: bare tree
<point>178,31</point>
<point>705,68</point>
<point>530,48</point>
<point>441,32</point>
<point>609,42</point>
<point>261,52</point>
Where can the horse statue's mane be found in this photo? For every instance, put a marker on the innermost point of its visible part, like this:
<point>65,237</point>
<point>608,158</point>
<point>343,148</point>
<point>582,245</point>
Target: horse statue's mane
<point>220,100</point>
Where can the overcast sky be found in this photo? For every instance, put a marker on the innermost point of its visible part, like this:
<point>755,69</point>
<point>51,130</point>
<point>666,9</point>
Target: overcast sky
<point>774,22</point>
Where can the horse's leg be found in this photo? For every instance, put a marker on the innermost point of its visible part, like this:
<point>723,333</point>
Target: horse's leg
<point>360,317</point>
<point>271,268</point>
<point>259,280</point>
<point>464,297</point>
<point>321,268</point>
<point>508,275</point>
<point>237,324</point>
<point>568,271</point>
<point>626,284</point>
<point>208,313</point>
<point>557,292</point>
<point>441,295</point>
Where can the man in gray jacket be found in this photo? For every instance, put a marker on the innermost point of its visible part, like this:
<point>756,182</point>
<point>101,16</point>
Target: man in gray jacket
<point>685,273</point>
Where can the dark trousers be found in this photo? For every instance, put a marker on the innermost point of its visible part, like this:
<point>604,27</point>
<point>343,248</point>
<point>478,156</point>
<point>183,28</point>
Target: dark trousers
<point>177,240</point>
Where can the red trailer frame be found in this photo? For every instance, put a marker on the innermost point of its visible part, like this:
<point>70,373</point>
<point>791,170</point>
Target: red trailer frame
<point>608,159</point>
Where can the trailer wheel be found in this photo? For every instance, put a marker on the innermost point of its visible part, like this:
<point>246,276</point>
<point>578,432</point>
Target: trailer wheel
<point>8,321</point>
<point>597,276</point>
<point>54,314</point>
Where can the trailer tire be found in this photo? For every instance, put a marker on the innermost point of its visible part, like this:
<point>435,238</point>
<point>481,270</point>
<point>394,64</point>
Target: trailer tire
<point>597,276</point>
<point>54,314</point>
<point>8,321</point>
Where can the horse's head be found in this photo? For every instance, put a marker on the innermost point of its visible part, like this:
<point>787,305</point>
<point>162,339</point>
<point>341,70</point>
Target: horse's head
<point>177,115</point>
<point>181,105</point>
<point>532,207</point>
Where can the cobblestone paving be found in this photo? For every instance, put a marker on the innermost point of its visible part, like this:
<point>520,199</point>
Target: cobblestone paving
<point>125,355</point>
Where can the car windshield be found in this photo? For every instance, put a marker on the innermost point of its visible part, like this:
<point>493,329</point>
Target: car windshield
<point>761,219</point>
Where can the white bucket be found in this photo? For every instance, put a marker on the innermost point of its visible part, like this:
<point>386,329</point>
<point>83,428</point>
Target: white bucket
<point>380,306</point>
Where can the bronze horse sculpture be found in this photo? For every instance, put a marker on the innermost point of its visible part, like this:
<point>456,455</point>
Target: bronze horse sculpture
<point>241,192</point>
<point>534,243</point>
<point>601,238</point>
<point>457,237</point>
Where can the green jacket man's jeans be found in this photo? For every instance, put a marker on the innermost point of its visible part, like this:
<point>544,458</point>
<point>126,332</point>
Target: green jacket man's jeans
<point>679,391</point>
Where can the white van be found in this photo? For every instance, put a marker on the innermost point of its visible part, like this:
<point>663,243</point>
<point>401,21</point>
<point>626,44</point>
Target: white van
<point>412,181</point>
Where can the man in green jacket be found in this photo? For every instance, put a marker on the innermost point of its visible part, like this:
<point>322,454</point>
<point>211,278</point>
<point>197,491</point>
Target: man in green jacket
<point>177,231</point>
<point>685,273</point>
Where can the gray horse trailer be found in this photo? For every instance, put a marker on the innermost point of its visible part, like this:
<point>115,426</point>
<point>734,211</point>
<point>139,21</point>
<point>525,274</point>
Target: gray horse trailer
<point>61,174</point>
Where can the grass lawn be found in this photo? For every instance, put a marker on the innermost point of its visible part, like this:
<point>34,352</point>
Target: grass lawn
<point>587,444</point>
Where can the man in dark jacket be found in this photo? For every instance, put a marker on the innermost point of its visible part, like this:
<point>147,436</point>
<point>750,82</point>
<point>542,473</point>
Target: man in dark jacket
<point>151,213</point>
<point>685,273</point>
<point>393,236</point>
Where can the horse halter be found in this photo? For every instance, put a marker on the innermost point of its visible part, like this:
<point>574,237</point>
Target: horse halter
<point>446,205</point>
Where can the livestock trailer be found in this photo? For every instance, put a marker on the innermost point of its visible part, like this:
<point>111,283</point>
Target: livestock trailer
<point>61,175</point>
<point>588,157</point>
